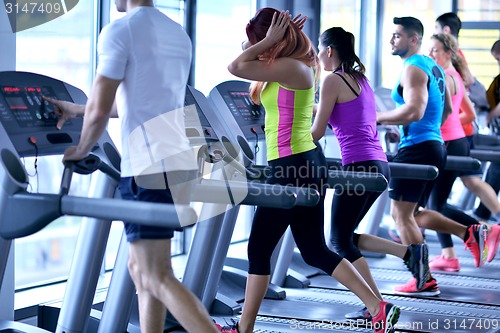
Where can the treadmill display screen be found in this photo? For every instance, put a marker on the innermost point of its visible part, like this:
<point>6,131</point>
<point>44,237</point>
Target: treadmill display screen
<point>242,107</point>
<point>27,106</point>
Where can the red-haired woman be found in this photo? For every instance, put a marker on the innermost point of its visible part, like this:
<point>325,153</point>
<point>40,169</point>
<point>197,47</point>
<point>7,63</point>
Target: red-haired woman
<point>281,61</point>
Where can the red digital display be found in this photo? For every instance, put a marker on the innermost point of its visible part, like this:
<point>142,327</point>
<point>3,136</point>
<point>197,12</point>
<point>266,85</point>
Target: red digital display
<point>11,89</point>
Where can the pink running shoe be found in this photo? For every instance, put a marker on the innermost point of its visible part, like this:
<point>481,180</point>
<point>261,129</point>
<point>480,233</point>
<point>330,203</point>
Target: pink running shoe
<point>441,263</point>
<point>386,318</point>
<point>492,242</point>
<point>430,288</point>
<point>478,234</point>
<point>393,233</point>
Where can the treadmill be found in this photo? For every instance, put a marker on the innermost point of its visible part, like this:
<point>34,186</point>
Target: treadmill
<point>118,312</point>
<point>207,279</point>
<point>219,302</point>
<point>316,303</point>
<point>28,129</point>
<point>454,286</point>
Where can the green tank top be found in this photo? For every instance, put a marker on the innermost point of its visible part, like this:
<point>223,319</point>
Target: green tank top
<point>288,120</point>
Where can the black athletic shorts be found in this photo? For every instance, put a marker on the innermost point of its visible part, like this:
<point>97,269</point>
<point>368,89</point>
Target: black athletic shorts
<point>155,188</point>
<point>410,190</point>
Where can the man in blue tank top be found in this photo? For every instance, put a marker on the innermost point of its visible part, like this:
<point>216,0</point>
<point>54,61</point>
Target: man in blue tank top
<point>422,99</point>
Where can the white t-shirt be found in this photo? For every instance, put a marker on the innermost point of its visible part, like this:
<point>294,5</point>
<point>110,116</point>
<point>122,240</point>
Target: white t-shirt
<point>151,54</point>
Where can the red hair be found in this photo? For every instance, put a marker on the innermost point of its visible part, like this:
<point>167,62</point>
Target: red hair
<point>295,44</point>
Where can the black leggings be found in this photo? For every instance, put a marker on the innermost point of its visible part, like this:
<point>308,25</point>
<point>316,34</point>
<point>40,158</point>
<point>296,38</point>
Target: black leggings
<point>492,178</point>
<point>442,189</point>
<point>349,208</point>
<point>307,223</point>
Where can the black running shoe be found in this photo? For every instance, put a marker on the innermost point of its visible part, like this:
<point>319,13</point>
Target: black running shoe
<point>360,314</point>
<point>418,264</point>
<point>229,328</point>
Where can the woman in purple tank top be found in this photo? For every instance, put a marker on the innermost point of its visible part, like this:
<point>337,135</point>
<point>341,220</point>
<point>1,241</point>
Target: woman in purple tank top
<point>347,103</point>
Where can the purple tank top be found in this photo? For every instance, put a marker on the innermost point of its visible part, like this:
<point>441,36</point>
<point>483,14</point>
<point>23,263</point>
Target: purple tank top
<point>355,126</point>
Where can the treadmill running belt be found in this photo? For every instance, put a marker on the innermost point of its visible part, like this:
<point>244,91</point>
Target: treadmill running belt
<point>453,287</point>
<point>417,315</point>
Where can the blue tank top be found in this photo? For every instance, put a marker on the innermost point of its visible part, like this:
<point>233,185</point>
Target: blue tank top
<point>427,128</point>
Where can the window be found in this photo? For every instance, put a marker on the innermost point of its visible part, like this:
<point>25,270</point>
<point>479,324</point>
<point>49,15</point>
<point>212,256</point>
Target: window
<point>220,30</point>
<point>172,8</point>
<point>344,13</point>
<point>480,29</point>
<point>62,49</point>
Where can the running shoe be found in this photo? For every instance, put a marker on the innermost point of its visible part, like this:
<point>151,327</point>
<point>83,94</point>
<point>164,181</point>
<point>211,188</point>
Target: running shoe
<point>362,314</point>
<point>430,288</point>
<point>492,242</point>
<point>478,234</point>
<point>418,264</point>
<point>229,328</point>
<point>394,235</point>
<point>219,326</point>
<point>441,263</point>
<point>386,318</point>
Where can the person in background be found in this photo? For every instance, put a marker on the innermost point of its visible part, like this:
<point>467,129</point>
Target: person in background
<point>444,52</point>
<point>281,61</point>
<point>493,92</point>
<point>423,103</point>
<point>493,173</point>
<point>450,23</point>
<point>144,62</point>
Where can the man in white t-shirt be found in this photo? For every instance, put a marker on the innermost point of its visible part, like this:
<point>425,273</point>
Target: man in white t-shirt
<point>144,63</point>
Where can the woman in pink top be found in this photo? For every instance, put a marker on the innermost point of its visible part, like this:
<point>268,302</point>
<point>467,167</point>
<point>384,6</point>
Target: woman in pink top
<point>444,51</point>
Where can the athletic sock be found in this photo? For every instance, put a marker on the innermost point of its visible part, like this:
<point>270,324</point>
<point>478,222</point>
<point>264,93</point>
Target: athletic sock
<point>466,237</point>
<point>407,255</point>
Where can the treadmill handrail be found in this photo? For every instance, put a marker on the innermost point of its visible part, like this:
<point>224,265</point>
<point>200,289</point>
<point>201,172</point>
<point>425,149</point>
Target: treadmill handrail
<point>485,155</point>
<point>45,208</point>
<point>277,196</point>
<point>356,181</point>
<point>453,163</point>
<point>400,170</point>
<point>413,171</point>
<point>373,182</point>
<point>462,163</point>
<point>486,140</point>
<point>486,147</point>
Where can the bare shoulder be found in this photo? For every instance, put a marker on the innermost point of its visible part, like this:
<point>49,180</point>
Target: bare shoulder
<point>299,75</point>
<point>331,80</point>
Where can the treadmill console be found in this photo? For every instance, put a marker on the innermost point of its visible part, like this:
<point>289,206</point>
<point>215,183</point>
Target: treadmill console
<point>383,100</point>
<point>198,129</point>
<point>29,121</point>
<point>242,107</point>
<point>235,96</point>
<point>27,107</point>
